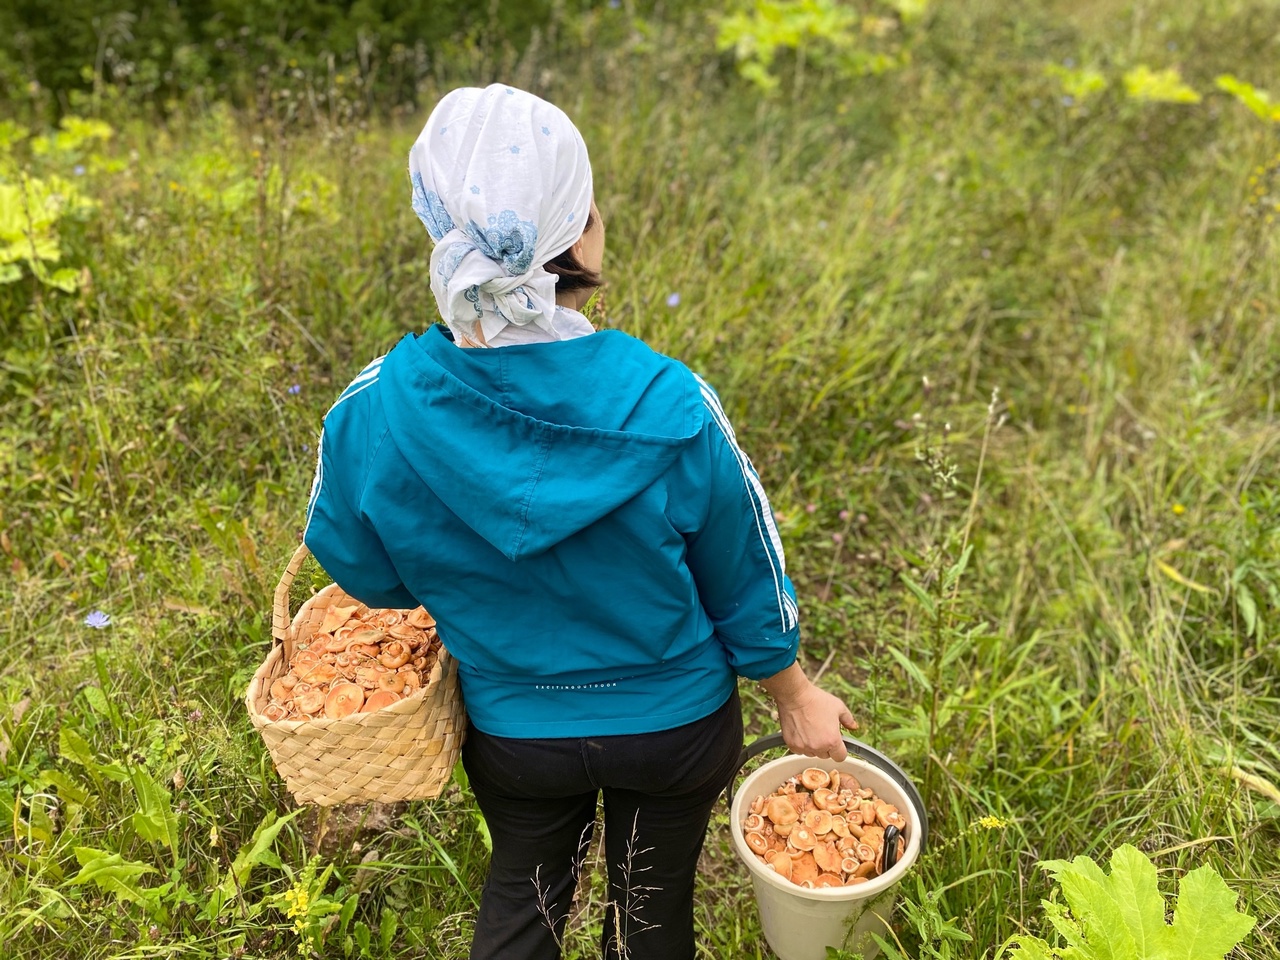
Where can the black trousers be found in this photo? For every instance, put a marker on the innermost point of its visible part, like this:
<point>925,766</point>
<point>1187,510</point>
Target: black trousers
<point>539,798</point>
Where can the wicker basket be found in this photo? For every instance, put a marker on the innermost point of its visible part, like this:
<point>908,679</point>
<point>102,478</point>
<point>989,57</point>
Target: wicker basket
<point>405,751</point>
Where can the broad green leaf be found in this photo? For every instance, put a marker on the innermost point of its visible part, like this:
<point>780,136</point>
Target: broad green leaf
<point>1080,866</point>
<point>73,747</point>
<point>1032,948</point>
<point>68,789</point>
<point>1068,928</point>
<point>66,280</point>
<point>257,851</point>
<point>361,933</point>
<point>154,819</point>
<point>1099,914</point>
<point>1206,923</point>
<point>10,272</point>
<point>111,872</point>
<point>387,928</point>
<point>1133,886</point>
<point>348,911</point>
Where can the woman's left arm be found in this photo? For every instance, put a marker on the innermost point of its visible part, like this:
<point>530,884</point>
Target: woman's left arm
<point>343,542</point>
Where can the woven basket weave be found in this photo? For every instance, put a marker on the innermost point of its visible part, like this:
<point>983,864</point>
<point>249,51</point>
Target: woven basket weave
<point>405,751</point>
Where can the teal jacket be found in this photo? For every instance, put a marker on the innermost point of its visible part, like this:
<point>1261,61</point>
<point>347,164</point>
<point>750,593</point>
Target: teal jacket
<point>596,548</point>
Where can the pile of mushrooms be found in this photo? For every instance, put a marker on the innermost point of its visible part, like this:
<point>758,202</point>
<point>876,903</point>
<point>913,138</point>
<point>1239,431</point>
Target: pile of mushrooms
<point>822,829</point>
<point>360,660</point>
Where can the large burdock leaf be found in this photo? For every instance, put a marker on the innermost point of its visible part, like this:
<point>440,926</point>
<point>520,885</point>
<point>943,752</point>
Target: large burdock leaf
<point>1121,915</point>
<point>1206,923</point>
<point>1133,887</point>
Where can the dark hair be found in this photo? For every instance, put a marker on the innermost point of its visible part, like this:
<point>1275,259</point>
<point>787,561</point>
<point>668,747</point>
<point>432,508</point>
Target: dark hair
<point>572,274</point>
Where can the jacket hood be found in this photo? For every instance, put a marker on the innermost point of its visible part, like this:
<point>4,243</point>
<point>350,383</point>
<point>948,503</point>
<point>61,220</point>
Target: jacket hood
<point>529,444</point>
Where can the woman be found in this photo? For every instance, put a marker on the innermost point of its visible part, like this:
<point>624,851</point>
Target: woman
<point>575,511</point>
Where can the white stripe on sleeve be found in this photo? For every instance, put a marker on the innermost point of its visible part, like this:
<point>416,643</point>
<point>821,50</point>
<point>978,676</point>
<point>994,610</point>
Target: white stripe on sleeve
<point>759,505</point>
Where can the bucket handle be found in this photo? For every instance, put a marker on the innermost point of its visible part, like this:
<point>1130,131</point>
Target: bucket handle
<point>863,752</point>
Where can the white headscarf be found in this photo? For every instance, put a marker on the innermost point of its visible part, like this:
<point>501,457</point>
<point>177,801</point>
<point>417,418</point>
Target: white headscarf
<point>502,182</point>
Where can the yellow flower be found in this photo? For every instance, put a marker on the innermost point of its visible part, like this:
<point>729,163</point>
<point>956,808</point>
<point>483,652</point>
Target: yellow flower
<point>213,835</point>
<point>1179,509</point>
<point>992,823</point>
<point>299,901</point>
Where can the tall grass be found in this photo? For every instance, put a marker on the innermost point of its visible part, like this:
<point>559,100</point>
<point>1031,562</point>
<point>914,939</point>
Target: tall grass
<point>1103,671</point>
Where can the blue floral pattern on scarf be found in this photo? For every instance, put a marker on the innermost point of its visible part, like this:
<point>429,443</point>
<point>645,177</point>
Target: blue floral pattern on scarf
<point>507,240</point>
<point>430,209</point>
<point>452,257</point>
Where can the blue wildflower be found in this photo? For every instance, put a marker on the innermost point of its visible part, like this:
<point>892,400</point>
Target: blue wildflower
<point>78,169</point>
<point>97,619</point>
<point>673,300</point>
<point>295,390</point>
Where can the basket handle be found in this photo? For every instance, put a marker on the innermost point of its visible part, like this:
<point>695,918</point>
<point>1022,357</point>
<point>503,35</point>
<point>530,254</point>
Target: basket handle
<point>281,619</point>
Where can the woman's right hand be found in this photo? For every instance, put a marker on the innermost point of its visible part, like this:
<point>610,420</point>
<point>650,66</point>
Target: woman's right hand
<point>811,718</point>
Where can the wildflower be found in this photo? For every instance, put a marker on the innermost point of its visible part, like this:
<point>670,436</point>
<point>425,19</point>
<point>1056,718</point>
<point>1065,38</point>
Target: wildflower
<point>810,508</point>
<point>615,4</point>
<point>1068,100</point>
<point>843,515</point>
<point>837,538</point>
<point>213,835</point>
<point>673,301</point>
<point>78,169</point>
<point>295,390</point>
<point>992,823</point>
<point>97,619</point>
<point>1179,509</point>
<point>299,901</point>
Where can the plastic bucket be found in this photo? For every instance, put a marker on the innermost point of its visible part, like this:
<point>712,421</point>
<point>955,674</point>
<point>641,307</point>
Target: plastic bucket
<point>798,923</point>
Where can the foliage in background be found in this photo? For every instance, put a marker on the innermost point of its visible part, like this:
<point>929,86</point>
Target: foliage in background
<point>827,34</point>
<point>1055,606</point>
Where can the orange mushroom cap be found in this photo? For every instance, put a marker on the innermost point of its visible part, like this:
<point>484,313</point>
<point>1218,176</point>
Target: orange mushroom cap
<point>781,811</point>
<point>815,777</point>
<point>804,869</point>
<point>379,699</point>
<point>343,700</point>
<point>335,617</point>
<point>310,702</point>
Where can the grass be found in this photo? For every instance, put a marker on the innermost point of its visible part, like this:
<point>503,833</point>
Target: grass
<point>1104,670</point>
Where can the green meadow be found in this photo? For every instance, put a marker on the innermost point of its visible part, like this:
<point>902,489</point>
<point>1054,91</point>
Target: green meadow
<point>992,299</point>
